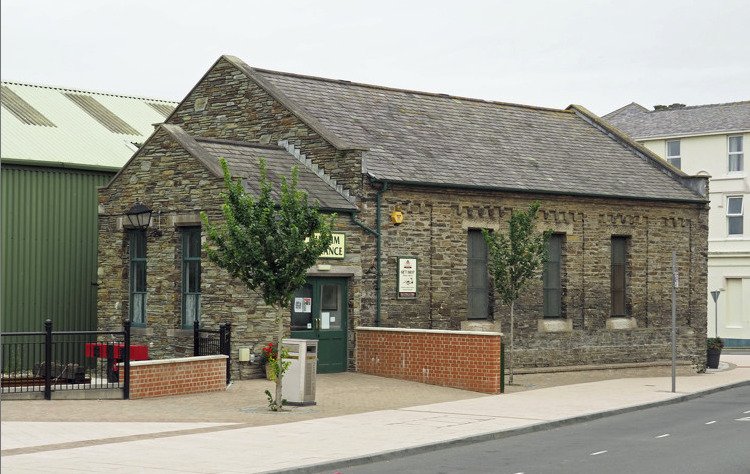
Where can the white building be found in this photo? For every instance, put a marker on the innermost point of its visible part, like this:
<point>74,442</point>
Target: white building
<point>709,140</point>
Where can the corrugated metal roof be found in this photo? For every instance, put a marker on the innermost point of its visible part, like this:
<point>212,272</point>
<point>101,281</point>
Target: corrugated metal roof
<point>78,138</point>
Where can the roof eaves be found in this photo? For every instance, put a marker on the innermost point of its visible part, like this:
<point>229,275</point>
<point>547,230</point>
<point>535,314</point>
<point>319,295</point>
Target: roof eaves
<point>59,164</point>
<point>292,106</point>
<point>475,187</point>
<point>697,184</point>
<point>693,134</point>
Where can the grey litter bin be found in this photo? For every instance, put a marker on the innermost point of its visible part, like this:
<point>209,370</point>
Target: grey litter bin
<point>299,379</point>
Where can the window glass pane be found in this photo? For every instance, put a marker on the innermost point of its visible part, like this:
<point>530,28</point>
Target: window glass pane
<point>618,279</point>
<point>329,298</point>
<point>192,309</point>
<point>477,277</point>
<point>194,244</point>
<point>139,276</point>
<point>735,144</point>
<point>735,162</point>
<point>734,205</point>
<point>302,312</point>
<point>735,225</point>
<point>676,162</point>
<point>138,303</point>
<point>673,148</point>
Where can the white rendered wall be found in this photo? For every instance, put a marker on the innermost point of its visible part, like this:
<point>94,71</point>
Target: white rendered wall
<point>728,257</point>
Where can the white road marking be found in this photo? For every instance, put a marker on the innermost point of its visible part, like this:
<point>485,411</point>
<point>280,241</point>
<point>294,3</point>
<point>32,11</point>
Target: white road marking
<point>746,412</point>
<point>711,422</point>
<point>663,436</point>
<point>746,418</point>
<point>598,452</point>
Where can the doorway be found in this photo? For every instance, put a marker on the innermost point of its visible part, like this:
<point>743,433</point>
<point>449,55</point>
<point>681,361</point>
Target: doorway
<point>319,311</point>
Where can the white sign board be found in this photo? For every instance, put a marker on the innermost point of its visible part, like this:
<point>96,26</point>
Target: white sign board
<point>407,277</point>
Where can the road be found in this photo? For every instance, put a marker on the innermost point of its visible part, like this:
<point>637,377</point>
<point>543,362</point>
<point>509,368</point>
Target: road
<point>705,435</point>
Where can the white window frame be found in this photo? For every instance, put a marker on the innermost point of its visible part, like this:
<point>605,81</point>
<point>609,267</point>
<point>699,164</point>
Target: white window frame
<point>741,215</point>
<point>736,154</point>
<point>675,158</point>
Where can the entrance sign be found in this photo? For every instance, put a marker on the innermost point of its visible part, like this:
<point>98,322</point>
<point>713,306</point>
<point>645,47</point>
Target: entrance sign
<point>337,249</point>
<point>407,278</point>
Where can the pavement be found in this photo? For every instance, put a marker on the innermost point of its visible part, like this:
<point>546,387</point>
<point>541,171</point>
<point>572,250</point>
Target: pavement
<point>358,418</point>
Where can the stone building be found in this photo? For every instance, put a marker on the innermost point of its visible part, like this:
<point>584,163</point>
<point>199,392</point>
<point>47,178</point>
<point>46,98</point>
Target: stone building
<point>450,166</point>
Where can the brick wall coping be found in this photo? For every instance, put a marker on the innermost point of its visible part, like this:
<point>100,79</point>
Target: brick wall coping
<point>431,331</point>
<point>179,360</point>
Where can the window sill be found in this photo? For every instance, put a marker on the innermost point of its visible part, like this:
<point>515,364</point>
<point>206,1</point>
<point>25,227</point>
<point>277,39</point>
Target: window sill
<point>555,325</point>
<point>141,331</point>
<point>729,177</point>
<point>618,323</point>
<point>480,325</point>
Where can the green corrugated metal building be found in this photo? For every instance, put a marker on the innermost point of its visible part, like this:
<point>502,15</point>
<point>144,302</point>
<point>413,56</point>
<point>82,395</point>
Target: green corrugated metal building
<point>58,145</point>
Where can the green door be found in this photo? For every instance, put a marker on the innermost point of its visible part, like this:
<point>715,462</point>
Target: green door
<point>319,311</point>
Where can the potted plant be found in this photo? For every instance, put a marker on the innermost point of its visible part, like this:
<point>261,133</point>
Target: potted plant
<point>713,352</point>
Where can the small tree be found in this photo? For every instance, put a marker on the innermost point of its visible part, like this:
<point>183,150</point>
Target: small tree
<point>268,245</point>
<point>514,259</point>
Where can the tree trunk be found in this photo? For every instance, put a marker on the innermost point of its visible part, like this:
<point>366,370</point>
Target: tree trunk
<point>510,354</point>
<point>279,360</point>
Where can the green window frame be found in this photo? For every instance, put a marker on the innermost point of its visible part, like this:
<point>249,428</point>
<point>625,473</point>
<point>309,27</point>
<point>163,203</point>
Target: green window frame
<point>552,277</point>
<point>191,275</point>
<point>137,276</point>
<point>478,284</point>
<point>619,275</point>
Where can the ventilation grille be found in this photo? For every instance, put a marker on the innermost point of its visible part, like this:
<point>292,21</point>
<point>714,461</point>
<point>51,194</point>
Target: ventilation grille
<point>102,114</point>
<point>164,109</point>
<point>22,109</point>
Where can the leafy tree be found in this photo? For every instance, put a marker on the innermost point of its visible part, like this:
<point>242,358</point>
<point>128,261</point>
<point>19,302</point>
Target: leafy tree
<point>268,244</point>
<point>514,259</point>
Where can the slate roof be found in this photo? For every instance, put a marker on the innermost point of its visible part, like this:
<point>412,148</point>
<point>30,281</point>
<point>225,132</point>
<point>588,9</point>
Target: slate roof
<point>243,160</point>
<point>641,123</point>
<point>435,139</point>
<point>46,125</point>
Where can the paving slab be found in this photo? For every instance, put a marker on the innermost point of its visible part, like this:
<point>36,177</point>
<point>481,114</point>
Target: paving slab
<point>337,441</point>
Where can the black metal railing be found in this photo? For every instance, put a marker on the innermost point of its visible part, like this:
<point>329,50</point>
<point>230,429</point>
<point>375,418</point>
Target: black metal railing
<point>50,360</point>
<point>213,342</point>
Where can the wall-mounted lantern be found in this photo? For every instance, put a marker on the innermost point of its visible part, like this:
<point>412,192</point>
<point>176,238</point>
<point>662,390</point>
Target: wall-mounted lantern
<point>397,217</point>
<point>139,216</point>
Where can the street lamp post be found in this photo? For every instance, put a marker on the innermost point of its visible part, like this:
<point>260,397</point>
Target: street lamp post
<point>715,295</point>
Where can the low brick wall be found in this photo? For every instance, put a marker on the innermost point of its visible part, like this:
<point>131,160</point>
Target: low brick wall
<point>468,360</point>
<point>160,378</point>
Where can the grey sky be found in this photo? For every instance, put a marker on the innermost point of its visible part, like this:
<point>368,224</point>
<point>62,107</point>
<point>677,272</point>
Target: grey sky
<point>600,54</point>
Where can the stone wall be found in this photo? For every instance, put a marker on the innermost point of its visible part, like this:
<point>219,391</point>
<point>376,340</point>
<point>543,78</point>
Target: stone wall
<point>460,359</point>
<point>435,231</point>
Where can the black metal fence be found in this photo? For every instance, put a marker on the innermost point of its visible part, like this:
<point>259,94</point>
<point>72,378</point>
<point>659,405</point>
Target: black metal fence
<point>213,342</point>
<point>50,360</point>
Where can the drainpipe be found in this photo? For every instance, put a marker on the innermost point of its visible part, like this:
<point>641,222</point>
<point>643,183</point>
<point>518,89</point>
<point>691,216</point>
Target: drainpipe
<point>378,247</point>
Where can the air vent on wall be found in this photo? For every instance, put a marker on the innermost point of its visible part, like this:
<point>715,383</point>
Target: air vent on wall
<point>164,109</point>
<point>22,109</point>
<point>102,114</point>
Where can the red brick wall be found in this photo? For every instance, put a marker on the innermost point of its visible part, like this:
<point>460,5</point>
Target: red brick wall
<point>461,359</point>
<point>159,378</point>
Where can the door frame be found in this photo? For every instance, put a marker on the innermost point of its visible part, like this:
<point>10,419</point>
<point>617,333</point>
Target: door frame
<point>316,282</point>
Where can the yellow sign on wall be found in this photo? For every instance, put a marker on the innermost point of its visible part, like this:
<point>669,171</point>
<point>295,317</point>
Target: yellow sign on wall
<point>337,249</point>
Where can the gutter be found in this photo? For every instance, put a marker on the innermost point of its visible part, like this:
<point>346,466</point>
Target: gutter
<point>59,164</point>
